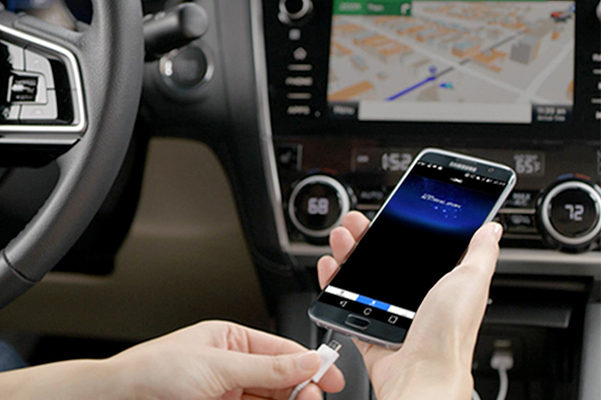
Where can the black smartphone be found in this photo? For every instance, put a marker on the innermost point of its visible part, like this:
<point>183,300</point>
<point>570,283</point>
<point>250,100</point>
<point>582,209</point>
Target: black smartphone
<point>420,233</point>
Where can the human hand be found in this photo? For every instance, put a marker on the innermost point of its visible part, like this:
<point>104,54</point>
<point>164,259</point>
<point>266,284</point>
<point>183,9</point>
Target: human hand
<point>221,360</point>
<point>436,358</point>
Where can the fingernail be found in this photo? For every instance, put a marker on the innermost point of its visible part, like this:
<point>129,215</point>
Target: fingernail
<point>308,361</point>
<point>497,230</point>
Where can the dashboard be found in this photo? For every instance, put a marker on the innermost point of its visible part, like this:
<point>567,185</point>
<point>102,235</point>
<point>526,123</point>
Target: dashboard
<point>354,89</point>
<point>308,109</point>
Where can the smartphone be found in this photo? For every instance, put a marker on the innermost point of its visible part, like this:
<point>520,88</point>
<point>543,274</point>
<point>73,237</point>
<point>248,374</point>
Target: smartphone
<point>419,234</point>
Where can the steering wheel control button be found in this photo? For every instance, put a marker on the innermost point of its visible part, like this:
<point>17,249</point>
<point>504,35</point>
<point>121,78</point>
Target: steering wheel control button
<point>41,112</point>
<point>15,55</point>
<point>317,204</point>
<point>10,113</point>
<point>357,322</point>
<point>293,11</point>
<point>570,214</point>
<point>35,62</point>
<point>23,88</point>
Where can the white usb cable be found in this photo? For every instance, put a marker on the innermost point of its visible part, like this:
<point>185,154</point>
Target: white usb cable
<point>502,361</point>
<point>328,353</point>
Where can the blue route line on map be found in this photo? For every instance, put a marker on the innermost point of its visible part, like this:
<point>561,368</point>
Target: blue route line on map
<point>409,89</point>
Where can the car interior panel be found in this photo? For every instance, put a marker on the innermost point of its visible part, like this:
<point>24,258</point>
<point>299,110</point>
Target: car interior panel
<point>164,162</point>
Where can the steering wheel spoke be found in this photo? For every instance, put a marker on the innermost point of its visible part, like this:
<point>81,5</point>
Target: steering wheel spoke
<point>41,84</point>
<point>78,91</point>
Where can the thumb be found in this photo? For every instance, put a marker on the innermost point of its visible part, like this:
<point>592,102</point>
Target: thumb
<point>242,370</point>
<point>483,251</point>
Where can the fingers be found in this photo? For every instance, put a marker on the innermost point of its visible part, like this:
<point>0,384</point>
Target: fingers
<point>310,392</point>
<point>236,337</point>
<point>326,269</point>
<point>239,370</point>
<point>356,223</point>
<point>342,242</point>
<point>453,309</point>
<point>333,381</point>
<point>342,239</point>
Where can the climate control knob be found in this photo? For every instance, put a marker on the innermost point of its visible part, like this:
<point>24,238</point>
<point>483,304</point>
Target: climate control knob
<point>317,204</point>
<point>569,214</point>
<point>292,11</point>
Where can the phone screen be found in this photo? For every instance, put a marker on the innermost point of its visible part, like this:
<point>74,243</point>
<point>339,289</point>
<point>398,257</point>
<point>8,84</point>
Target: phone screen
<point>420,235</point>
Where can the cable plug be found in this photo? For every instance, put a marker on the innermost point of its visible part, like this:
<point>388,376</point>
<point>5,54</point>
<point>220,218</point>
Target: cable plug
<point>328,353</point>
<point>502,361</point>
<point>502,357</point>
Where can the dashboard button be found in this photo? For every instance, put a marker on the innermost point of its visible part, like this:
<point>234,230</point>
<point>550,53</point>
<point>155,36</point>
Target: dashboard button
<point>292,11</point>
<point>289,156</point>
<point>317,204</point>
<point>570,214</point>
<point>520,222</point>
<point>375,196</point>
<point>15,55</point>
<point>302,110</point>
<point>521,199</point>
<point>573,212</point>
<point>35,62</point>
<point>299,81</point>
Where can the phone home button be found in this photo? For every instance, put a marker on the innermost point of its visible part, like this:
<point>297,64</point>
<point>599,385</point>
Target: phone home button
<point>357,322</point>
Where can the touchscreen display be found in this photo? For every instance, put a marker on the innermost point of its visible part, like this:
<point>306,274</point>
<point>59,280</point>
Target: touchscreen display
<point>452,61</point>
<point>419,236</point>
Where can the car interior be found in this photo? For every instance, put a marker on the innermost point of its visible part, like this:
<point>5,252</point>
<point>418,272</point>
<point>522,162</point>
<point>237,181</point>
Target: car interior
<point>165,162</point>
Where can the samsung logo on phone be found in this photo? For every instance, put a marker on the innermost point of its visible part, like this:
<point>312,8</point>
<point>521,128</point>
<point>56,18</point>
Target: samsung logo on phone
<point>463,166</point>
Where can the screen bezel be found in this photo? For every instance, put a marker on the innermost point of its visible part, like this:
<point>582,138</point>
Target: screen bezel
<point>381,333</point>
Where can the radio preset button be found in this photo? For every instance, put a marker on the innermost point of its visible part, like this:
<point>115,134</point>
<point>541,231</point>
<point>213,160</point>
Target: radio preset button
<point>317,204</point>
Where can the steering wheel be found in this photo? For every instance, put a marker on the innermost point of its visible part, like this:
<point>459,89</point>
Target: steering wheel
<point>90,81</point>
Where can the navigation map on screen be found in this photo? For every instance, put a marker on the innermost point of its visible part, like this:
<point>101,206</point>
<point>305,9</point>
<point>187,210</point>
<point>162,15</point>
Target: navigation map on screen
<point>454,61</point>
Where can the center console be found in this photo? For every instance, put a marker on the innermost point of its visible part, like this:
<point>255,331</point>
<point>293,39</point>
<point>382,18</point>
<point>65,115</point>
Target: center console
<point>351,90</point>
<point>354,89</point>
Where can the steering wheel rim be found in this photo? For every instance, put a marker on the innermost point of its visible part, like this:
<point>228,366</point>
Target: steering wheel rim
<point>109,54</point>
